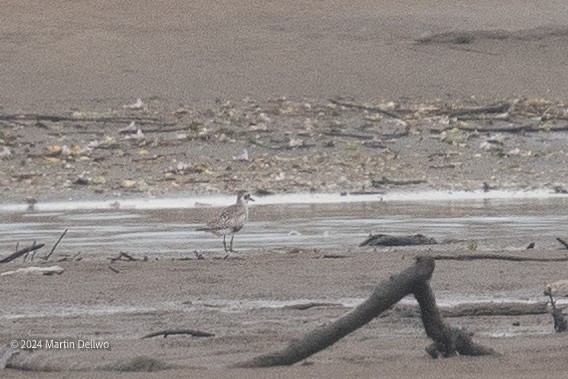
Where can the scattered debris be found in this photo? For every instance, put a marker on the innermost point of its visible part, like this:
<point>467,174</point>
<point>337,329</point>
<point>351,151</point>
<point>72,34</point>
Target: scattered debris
<point>530,246</point>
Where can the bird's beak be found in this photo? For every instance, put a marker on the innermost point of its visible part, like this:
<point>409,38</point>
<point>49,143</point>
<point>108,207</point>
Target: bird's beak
<point>251,199</point>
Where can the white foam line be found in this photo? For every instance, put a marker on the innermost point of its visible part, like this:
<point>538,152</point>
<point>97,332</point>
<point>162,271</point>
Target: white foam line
<point>195,201</point>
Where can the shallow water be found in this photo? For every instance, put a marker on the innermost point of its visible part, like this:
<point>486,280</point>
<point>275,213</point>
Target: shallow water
<point>332,221</point>
<point>144,227</point>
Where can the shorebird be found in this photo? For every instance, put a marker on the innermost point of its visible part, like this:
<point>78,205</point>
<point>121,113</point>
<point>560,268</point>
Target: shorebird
<point>231,220</point>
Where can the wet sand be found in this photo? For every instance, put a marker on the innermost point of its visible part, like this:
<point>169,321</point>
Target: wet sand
<point>96,55</point>
<point>89,301</point>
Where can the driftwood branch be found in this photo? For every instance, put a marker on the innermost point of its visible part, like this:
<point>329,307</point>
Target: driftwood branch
<point>387,293</point>
<point>472,257</point>
<point>23,251</point>
<point>448,341</point>
<point>54,246</point>
<point>192,332</point>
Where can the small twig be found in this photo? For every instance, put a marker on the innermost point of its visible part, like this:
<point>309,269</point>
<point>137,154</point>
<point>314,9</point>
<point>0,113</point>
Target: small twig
<point>126,256</point>
<point>21,252</point>
<point>54,246</point>
<point>113,269</point>
<point>192,332</point>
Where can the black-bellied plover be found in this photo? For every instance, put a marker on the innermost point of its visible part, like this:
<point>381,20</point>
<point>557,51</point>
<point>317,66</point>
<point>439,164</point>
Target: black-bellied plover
<point>231,220</point>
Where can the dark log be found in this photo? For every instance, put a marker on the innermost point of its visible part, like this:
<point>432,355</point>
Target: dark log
<point>387,240</point>
<point>448,341</point>
<point>473,257</point>
<point>19,253</point>
<point>415,279</point>
<point>192,332</point>
<point>386,294</point>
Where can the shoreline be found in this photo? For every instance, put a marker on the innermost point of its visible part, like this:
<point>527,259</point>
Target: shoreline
<point>187,201</point>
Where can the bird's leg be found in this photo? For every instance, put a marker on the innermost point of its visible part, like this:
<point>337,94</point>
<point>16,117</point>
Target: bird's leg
<point>225,244</point>
<point>231,246</point>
